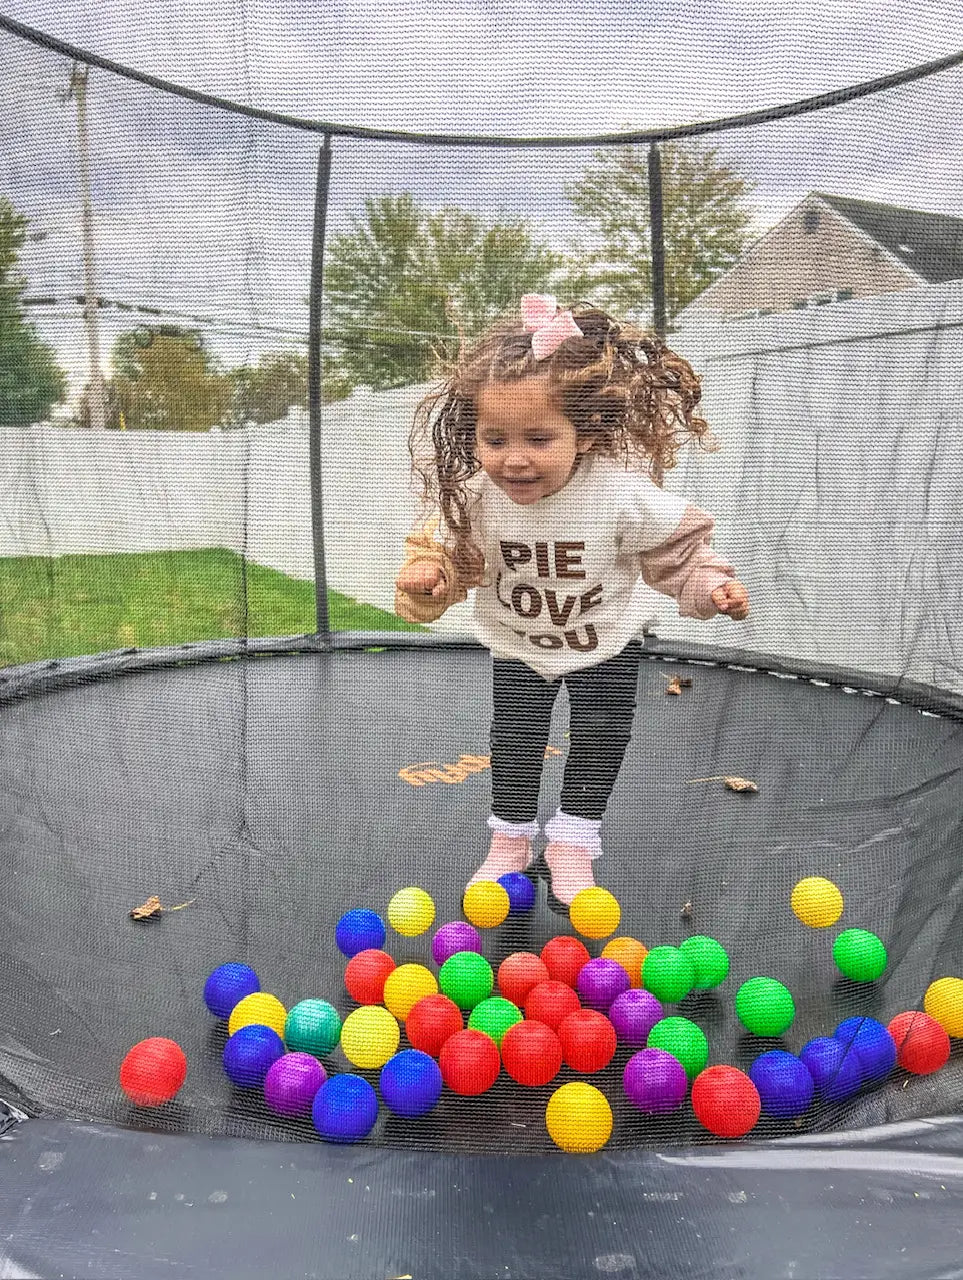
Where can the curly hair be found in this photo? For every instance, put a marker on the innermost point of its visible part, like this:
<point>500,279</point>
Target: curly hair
<point>619,385</point>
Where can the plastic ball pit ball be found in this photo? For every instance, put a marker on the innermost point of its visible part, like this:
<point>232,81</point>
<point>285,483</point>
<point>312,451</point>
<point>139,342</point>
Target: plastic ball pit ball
<point>765,1007</point>
<point>594,913</point>
<point>668,973</point>
<point>655,1081</point>
<point>709,960</point>
<point>486,904</point>
<point>550,1002</point>
<point>531,1053</point>
<point>494,1016</point>
<point>859,955</point>
<point>410,1083</point>
<point>467,978</point>
<point>684,1040</point>
<point>816,902</point>
<point>588,1041</point>
<point>835,1068</point>
<point>453,937</point>
<point>410,912</point>
<point>633,1014</point>
<point>944,1002</point>
<point>469,1062</point>
<point>563,957</point>
<point>292,1082</point>
<point>153,1071</point>
<point>518,973</point>
<point>578,1118</point>
<point>365,975</point>
<point>874,1046</point>
<point>922,1045</point>
<point>250,1053</point>
<point>405,986</point>
<point>725,1101</point>
<point>629,953</point>
<point>369,1036</point>
<point>431,1022</point>
<point>599,982</point>
<point>258,1009</point>
<point>359,930</point>
<point>312,1026</point>
<point>227,986</point>
<point>345,1109</point>
<point>520,890</point>
<point>785,1085</point>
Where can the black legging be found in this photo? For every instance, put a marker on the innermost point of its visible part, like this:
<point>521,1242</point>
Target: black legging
<point>602,708</point>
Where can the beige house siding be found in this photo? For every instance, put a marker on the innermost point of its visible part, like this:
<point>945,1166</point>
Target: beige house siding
<point>812,256</point>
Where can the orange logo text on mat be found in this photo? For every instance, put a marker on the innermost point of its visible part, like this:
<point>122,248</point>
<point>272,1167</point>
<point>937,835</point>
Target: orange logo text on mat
<point>419,775</point>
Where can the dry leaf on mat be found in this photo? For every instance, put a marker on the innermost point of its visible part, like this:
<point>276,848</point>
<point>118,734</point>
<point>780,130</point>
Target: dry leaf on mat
<point>678,683</point>
<point>732,782</point>
<point>152,907</point>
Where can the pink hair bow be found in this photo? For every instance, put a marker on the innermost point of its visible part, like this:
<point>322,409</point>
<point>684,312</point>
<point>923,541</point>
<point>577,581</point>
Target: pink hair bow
<point>547,328</point>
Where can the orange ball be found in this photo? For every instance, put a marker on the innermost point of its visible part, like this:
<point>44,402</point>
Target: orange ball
<point>629,953</point>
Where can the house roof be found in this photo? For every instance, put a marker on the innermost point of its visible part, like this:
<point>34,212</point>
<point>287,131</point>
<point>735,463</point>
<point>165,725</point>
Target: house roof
<point>931,244</point>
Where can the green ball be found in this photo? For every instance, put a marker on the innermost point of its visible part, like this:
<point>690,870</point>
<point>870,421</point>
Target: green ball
<point>709,960</point>
<point>494,1016</point>
<point>668,974</point>
<point>859,955</point>
<point>684,1040</point>
<point>765,1007</point>
<point>313,1026</point>
<point>467,978</point>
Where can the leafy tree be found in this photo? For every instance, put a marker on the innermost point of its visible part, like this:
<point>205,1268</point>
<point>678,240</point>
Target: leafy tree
<point>30,379</point>
<point>266,391</point>
<point>705,226</point>
<point>402,281</point>
<point>166,380</point>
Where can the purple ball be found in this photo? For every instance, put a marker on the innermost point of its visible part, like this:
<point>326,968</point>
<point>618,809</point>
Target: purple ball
<point>292,1082</point>
<point>633,1014</point>
<point>654,1080</point>
<point>600,981</point>
<point>454,937</point>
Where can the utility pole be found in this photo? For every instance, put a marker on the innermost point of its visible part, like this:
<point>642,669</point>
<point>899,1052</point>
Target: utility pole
<point>96,391</point>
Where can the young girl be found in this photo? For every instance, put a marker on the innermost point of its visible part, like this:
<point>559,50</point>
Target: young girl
<point>540,449</point>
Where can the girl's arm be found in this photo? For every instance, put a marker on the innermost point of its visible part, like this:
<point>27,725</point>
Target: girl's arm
<point>420,605</point>
<point>685,567</point>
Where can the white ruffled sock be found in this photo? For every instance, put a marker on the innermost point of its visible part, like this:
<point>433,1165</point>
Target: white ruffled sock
<point>567,828</point>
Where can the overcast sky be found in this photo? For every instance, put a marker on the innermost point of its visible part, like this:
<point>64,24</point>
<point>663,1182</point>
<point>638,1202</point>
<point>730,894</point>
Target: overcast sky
<point>213,214</point>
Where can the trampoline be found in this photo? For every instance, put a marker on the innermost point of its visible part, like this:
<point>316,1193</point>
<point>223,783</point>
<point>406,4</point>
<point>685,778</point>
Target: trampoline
<point>263,784</point>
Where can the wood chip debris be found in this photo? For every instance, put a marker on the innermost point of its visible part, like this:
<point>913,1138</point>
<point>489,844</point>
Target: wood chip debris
<point>677,684</point>
<point>152,908</point>
<point>731,781</point>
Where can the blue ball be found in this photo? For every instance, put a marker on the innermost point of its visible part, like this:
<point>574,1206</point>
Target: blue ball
<point>227,986</point>
<point>250,1053</point>
<point>874,1046</point>
<point>520,890</point>
<point>359,930</point>
<point>345,1109</point>
<point>410,1083</point>
<point>785,1085</point>
<point>836,1070</point>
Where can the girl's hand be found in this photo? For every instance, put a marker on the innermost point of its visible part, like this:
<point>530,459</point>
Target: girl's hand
<point>423,578</point>
<point>732,598</point>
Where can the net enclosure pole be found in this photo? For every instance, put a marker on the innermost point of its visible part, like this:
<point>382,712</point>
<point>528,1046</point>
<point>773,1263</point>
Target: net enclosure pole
<point>657,234</point>
<point>315,372</point>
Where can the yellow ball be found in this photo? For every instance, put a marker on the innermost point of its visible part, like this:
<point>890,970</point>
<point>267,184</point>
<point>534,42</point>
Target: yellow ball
<point>944,1002</point>
<point>578,1117</point>
<point>411,912</point>
<point>258,1009</point>
<point>405,986</point>
<point>486,904</point>
<point>629,953</point>
<point>370,1036</point>
<point>594,913</point>
<point>817,902</point>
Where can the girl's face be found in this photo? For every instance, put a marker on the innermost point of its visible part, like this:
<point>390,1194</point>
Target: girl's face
<point>524,441</point>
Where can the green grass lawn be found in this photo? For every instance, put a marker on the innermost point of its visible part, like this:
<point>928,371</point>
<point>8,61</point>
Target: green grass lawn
<point>61,606</point>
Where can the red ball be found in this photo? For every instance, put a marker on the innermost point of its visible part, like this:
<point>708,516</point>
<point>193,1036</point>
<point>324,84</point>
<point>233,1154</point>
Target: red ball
<point>725,1101</point>
<point>518,973</point>
<point>922,1045</point>
<point>469,1062</point>
<point>550,1002</point>
<point>153,1071</point>
<point>564,957</point>
<point>532,1053</point>
<point>365,974</point>
<point>432,1021</point>
<point>588,1040</point>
